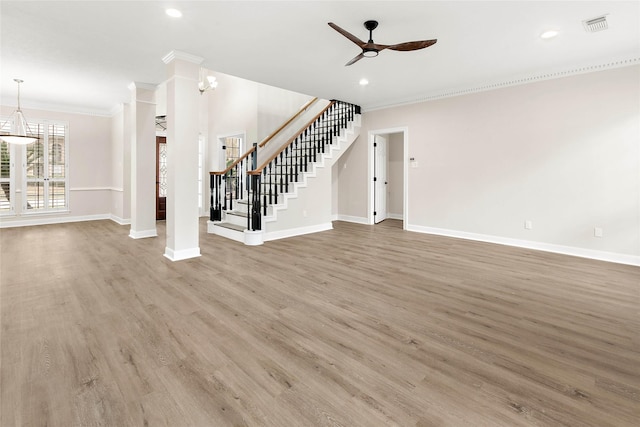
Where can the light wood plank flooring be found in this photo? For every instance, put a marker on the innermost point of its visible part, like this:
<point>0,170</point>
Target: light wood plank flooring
<point>358,326</point>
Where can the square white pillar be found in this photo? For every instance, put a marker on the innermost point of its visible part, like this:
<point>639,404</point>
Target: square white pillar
<point>183,100</point>
<point>143,154</point>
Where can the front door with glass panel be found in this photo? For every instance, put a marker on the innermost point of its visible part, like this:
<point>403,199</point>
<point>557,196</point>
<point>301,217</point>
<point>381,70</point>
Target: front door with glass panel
<point>161,177</point>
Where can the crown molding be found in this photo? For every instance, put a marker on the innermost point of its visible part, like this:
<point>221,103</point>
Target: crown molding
<point>66,109</point>
<point>515,82</point>
<point>183,56</point>
<point>139,85</point>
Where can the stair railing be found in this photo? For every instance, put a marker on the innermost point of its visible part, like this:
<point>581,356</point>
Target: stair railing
<point>229,185</point>
<point>275,175</point>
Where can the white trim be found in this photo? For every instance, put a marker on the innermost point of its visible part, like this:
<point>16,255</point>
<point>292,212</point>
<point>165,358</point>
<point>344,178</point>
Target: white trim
<point>253,237</point>
<point>120,221</point>
<point>181,254</point>
<point>354,219</point>
<point>27,213</point>
<point>292,232</point>
<point>527,244</point>
<point>394,216</point>
<point>404,130</point>
<point>183,56</point>
<point>143,234</point>
<point>52,220</point>
<point>139,85</point>
<point>95,189</point>
<point>67,109</point>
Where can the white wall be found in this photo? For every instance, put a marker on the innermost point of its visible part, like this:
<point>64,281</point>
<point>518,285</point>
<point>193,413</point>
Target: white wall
<point>90,168</point>
<point>563,153</point>
<point>275,106</point>
<point>233,108</point>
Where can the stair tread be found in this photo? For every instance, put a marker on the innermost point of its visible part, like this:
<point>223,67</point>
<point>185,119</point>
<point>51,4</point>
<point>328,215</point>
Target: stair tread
<point>238,213</point>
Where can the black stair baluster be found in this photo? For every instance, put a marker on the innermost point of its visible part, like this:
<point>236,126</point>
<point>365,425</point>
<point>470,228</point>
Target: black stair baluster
<point>264,172</point>
<point>240,179</point>
<point>278,176</point>
<point>286,170</point>
<point>270,184</point>
<point>224,195</point>
<point>297,157</point>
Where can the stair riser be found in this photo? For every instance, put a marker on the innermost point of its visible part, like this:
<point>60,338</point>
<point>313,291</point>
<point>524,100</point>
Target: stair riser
<point>235,219</point>
<point>244,208</point>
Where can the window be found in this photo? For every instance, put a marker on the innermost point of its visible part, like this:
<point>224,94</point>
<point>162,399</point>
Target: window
<point>44,176</point>
<point>232,150</point>
<point>7,189</point>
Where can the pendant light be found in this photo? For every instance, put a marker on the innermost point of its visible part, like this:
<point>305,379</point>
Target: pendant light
<point>19,135</point>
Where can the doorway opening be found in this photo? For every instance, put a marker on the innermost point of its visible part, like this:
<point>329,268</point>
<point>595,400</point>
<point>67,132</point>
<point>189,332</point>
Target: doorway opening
<point>388,175</point>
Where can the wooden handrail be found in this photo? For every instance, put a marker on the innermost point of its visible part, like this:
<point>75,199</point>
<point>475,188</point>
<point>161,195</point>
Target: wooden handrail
<point>285,124</point>
<point>233,165</point>
<point>258,170</point>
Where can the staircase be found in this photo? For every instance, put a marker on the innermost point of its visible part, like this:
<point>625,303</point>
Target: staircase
<point>288,193</point>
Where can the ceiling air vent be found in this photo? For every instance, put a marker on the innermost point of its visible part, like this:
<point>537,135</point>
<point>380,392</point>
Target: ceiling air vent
<point>596,24</point>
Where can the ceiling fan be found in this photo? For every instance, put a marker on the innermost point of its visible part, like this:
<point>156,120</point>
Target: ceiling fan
<point>371,49</point>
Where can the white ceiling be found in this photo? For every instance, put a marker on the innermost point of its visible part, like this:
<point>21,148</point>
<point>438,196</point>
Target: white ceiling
<point>82,55</point>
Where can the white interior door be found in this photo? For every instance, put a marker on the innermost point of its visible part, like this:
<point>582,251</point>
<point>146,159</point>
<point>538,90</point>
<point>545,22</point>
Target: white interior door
<point>380,177</point>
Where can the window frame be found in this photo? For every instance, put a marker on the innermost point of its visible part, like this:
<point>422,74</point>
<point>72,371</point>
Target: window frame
<point>46,179</point>
<point>11,180</point>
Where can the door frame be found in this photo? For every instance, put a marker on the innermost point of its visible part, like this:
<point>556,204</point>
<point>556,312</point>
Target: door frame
<point>380,169</point>
<point>371,188</point>
<point>220,144</point>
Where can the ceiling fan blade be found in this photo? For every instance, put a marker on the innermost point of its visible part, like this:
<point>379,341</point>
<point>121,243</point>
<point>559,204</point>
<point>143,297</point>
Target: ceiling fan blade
<point>412,45</point>
<point>356,59</point>
<point>347,34</point>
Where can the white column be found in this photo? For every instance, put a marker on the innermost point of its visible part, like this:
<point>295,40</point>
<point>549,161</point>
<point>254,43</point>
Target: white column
<point>143,160</point>
<point>183,100</point>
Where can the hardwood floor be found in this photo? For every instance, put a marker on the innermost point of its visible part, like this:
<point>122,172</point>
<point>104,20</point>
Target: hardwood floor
<point>358,326</point>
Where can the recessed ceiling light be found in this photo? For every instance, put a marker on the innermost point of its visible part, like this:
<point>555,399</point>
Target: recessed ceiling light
<point>174,13</point>
<point>549,34</point>
<point>364,82</point>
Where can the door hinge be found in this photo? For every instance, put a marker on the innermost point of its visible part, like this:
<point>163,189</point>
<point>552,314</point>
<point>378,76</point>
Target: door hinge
<point>375,144</point>
<point>375,179</point>
<point>375,213</point>
<point>224,147</point>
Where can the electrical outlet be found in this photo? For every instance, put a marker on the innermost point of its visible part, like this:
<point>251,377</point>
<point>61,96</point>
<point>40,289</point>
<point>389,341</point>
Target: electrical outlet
<point>528,224</point>
<point>597,232</point>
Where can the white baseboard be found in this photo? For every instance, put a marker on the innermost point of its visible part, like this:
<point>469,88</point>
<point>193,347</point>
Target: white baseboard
<point>120,221</point>
<point>182,254</point>
<point>395,216</point>
<point>143,234</point>
<point>45,220</point>
<point>356,219</point>
<point>527,244</point>
<point>292,232</point>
